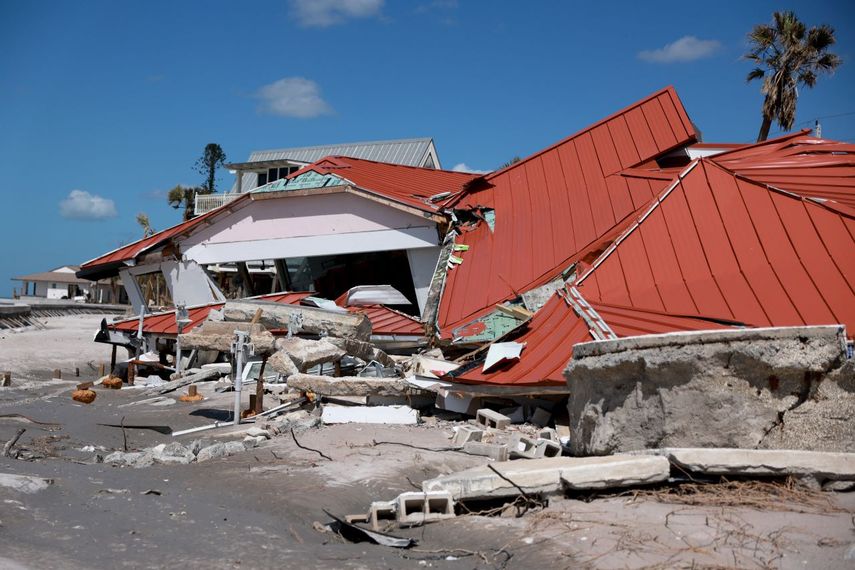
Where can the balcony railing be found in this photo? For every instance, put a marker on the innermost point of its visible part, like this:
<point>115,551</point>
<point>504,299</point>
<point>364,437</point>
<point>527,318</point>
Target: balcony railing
<point>207,202</point>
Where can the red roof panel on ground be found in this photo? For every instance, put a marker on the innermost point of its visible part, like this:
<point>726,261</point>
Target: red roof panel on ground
<point>551,207</point>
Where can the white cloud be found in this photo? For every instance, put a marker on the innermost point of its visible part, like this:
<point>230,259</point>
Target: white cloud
<point>293,97</point>
<point>687,48</point>
<point>324,13</point>
<point>463,167</point>
<point>80,205</point>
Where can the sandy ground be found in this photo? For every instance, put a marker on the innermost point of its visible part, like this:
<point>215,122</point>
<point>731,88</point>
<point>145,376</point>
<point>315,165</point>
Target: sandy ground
<point>258,509</point>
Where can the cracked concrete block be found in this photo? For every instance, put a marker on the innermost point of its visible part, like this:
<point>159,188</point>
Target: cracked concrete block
<point>131,459</point>
<point>215,335</point>
<point>727,388</point>
<point>305,353</point>
<point>414,509</point>
<point>233,447</point>
<point>495,451</point>
<point>521,447</point>
<point>491,419</point>
<point>547,448</point>
<point>466,434</point>
<point>256,431</point>
<point>548,433</point>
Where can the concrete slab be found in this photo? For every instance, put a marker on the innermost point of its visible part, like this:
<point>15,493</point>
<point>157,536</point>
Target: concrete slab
<point>370,415</point>
<point>764,462</point>
<point>551,475</point>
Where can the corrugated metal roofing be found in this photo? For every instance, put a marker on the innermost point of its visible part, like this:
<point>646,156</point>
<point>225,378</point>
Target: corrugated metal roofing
<point>724,246</point>
<point>552,332</point>
<point>384,321</point>
<point>799,163</point>
<point>408,152</point>
<point>553,206</point>
<point>407,185</point>
<point>714,248</point>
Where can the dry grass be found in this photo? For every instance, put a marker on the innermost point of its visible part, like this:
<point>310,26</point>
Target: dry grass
<point>786,495</point>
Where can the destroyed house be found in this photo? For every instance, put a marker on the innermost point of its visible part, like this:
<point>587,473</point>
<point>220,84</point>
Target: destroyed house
<point>335,224</point>
<point>759,236</point>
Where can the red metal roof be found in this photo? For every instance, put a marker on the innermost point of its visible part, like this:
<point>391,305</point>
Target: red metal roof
<point>384,321</point>
<point>551,207</point>
<point>553,331</point>
<point>799,163</point>
<point>724,246</point>
<point>409,185</point>
<point>714,248</point>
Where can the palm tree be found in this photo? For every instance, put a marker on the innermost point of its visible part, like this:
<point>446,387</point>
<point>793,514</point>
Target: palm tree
<point>787,55</point>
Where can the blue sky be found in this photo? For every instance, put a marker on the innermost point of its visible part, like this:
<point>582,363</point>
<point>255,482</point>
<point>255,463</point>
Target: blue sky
<point>104,106</point>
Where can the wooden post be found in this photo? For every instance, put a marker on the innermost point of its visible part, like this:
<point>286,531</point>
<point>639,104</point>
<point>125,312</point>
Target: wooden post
<point>7,379</point>
<point>132,372</point>
<point>192,390</point>
<point>252,400</point>
<point>102,370</point>
<point>112,360</point>
<point>57,374</point>
<point>246,278</point>
<point>337,365</point>
<point>259,388</point>
<point>77,372</point>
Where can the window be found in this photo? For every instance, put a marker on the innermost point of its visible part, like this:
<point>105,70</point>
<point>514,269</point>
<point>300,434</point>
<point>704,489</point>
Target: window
<point>274,174</point>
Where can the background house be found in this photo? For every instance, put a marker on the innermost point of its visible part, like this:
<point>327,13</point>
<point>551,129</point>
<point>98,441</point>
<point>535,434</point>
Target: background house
<point>62,283</point>
<point>265,166</point>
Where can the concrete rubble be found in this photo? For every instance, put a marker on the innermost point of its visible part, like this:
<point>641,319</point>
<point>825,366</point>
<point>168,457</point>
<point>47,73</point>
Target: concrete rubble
<point>734,388</point>
<point>310,320</point>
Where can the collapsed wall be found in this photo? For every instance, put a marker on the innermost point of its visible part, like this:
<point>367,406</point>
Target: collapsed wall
<point>773,388</point>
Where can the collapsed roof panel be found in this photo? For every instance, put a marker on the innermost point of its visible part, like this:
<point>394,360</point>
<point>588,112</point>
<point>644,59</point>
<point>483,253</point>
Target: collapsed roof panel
<point>715,250</point>
<point>557,203</point>
<point>799,163</point>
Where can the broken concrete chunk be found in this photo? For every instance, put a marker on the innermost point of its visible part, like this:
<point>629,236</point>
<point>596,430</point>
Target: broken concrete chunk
<point>307,353</point>
<point>211,452</point>
<point>257,431</point>
<point>370,415</point>
<point>381,511</point>
<point>494,451</point>
<point>823,466</point>
<point>282,364</point>
<point>217,335</point>
<point>172,453</point>
<point>24,483</point>
<point>348,385</point>
<point>131,459</point>
<point>362,350</point>
<point>491,419</point>
<point>314,320</point>
<point>669,390</point>
<point>233,447</point>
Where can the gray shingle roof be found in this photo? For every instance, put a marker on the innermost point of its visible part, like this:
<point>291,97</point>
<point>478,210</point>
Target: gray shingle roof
<point>407,152</point>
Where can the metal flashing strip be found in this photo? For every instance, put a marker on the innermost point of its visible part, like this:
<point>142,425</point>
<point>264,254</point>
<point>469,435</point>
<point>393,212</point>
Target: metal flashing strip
<point>598,328</point>
<point>640,220</point>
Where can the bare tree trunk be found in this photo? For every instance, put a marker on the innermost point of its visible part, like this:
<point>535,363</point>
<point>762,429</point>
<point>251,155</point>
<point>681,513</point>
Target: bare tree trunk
<point>764,129</point>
